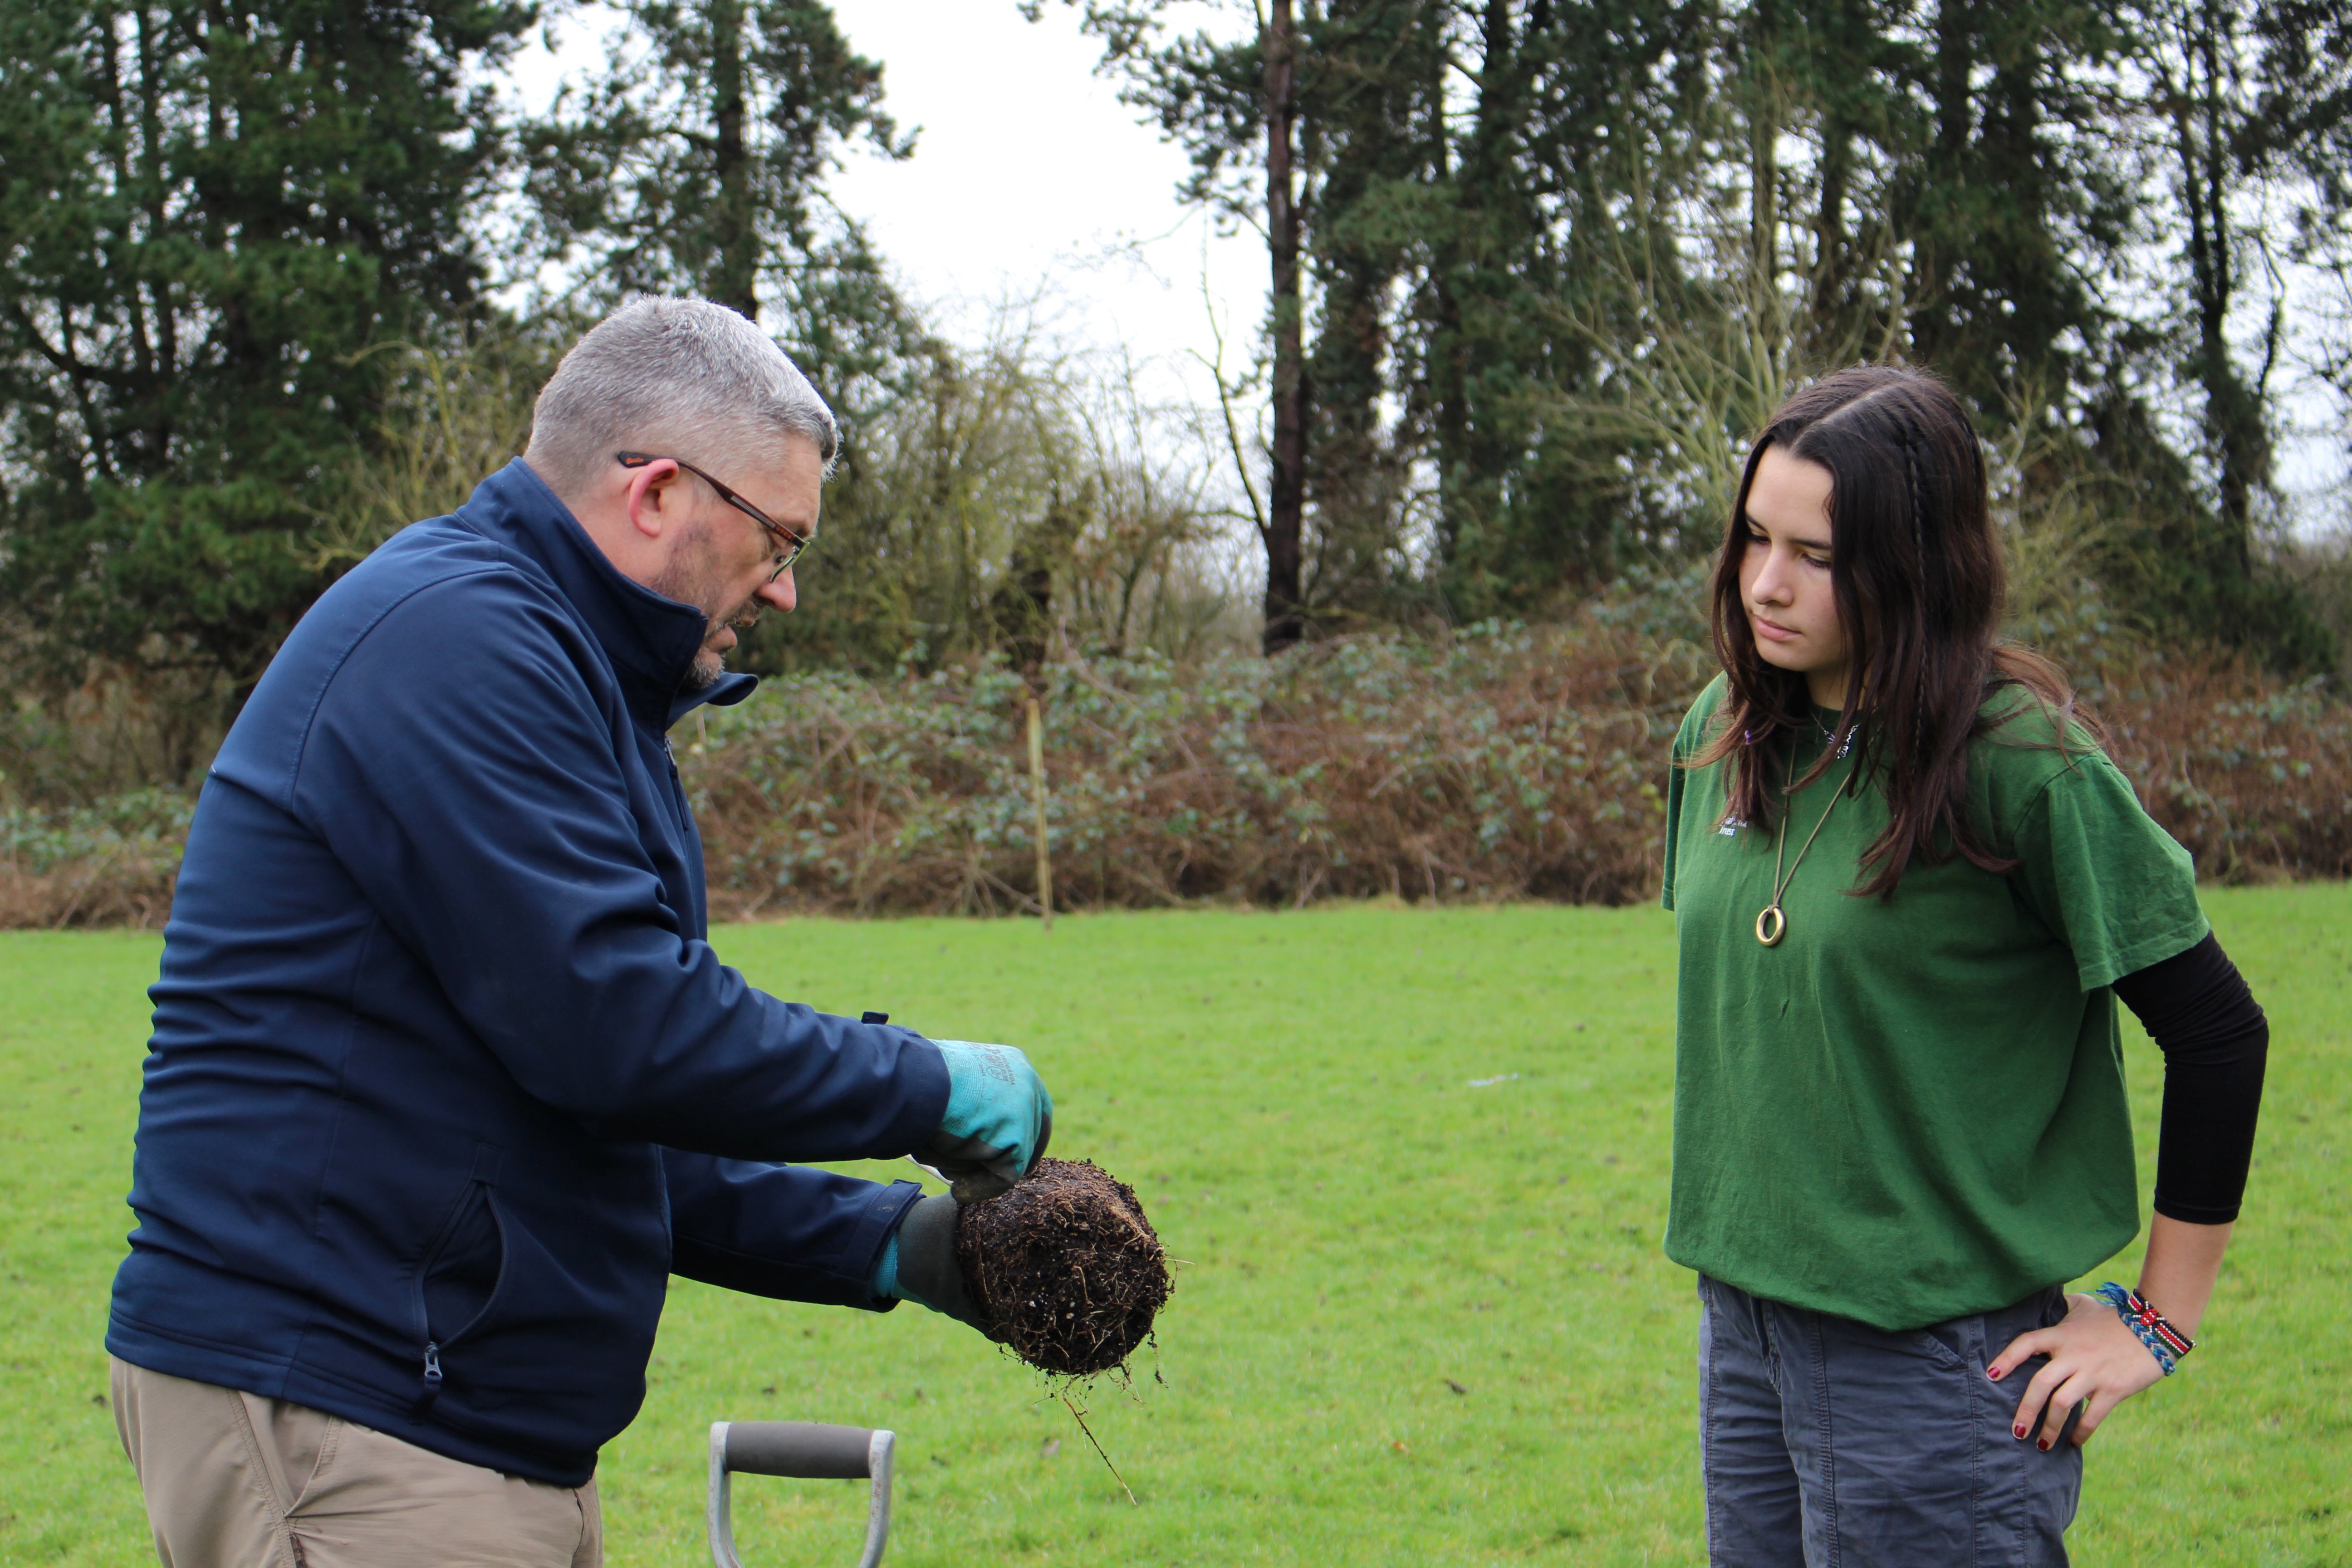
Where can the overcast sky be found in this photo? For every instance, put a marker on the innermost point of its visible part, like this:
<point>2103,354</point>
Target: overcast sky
<point>1029,172</point>
<point>1029,179</point>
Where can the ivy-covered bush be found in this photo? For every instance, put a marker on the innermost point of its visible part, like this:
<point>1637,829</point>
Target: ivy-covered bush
<point>1497,762</point>
<point>1502,762</point>
<point>112,862</point>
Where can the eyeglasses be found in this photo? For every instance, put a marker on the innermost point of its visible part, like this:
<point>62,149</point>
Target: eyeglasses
<point>791,543</point>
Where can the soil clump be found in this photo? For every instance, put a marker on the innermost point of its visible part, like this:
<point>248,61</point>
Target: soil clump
<point>1068,1271</point>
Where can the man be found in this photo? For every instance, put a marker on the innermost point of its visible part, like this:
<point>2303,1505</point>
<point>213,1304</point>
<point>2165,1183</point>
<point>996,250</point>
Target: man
<point>445,1079</point>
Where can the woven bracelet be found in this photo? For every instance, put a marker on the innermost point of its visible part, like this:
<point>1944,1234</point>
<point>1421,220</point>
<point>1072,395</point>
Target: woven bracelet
<point>2164,1342</point>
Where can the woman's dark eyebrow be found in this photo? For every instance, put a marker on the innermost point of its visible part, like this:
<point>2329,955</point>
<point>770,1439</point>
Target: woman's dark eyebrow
<point>1819,546</point>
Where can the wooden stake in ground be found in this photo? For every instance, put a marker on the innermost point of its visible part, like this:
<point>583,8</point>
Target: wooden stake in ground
<point>1037,798</point>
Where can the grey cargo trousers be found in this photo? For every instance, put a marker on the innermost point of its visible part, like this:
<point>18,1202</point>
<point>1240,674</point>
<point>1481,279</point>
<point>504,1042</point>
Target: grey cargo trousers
<point>1830,1444</point>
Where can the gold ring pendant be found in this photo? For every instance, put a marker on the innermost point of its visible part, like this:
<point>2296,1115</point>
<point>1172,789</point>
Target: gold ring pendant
<point>1771,926</point>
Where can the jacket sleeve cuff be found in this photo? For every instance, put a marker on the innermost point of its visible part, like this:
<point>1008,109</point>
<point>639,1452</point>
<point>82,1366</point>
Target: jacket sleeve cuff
<point>787,1232</point>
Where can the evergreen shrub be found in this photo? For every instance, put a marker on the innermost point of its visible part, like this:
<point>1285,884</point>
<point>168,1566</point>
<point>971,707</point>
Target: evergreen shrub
<point>1497,762</point>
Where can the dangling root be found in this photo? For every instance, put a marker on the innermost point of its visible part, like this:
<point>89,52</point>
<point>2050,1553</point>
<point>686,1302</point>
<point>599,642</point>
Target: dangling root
<point>1079,1417</point>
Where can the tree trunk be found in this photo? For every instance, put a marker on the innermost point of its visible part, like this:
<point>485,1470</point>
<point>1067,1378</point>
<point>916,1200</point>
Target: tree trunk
<point>1834,258</point>
<point>1449,367</point>
<point>735,284</point>
<point>1764,114</point>
<point>1286,502</point>
<point>2236,420</point>
<point>1943,173</point>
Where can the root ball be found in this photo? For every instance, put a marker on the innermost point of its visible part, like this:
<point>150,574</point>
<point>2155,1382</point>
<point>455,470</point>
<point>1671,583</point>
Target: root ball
<point>1068,1269</point>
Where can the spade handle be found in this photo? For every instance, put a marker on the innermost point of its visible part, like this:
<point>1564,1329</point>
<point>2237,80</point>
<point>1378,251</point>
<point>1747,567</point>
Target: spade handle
<point>806,1450</point>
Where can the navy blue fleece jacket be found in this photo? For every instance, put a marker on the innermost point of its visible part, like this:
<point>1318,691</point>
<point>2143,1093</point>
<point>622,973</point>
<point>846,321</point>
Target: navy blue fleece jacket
<point>445,1081</point>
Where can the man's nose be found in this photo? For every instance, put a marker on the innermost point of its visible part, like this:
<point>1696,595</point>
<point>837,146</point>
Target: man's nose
<point>782,594</point>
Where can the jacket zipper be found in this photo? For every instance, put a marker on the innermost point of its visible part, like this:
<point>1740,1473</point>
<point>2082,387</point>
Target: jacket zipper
<point>678,809</point>
<point>432,1377</point>
<point>480,1185</point>
<point>683,814</point>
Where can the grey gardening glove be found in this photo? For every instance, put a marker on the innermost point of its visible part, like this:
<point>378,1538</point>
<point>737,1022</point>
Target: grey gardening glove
<point>919,1264</point>
<point>998,1121</point>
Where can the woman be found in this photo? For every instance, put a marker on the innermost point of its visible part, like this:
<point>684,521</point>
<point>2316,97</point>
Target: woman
<point>1908,886</point>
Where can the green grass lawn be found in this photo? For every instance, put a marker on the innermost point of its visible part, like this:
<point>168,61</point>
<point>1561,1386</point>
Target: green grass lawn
<point>1361,1233</point>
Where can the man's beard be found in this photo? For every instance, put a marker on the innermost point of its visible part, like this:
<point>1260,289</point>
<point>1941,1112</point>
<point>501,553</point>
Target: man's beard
<point>703,673</point>
<point>710,663</point>
<point>692,578</point>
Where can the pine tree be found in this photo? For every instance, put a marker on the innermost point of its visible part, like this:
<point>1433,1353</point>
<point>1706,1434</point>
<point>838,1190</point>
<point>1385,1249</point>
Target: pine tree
<point>1243,111</point>
<point>697,163</point>
<point>213,218</point>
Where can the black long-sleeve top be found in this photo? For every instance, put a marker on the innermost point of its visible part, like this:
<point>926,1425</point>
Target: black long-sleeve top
<point>2215,1040</point>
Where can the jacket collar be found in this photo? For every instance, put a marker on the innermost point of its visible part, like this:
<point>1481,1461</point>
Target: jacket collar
<point>650,639</point>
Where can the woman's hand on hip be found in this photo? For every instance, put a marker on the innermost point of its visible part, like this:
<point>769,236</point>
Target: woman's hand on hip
<point>2093,1357</point>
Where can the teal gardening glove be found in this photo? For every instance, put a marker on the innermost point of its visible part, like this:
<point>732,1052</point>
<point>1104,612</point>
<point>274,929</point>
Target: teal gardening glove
<point>999,1119</point>
<point>919,1264</point>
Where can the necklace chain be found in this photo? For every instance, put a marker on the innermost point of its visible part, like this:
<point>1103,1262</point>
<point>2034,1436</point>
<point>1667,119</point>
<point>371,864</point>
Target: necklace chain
<point>1772,924</point>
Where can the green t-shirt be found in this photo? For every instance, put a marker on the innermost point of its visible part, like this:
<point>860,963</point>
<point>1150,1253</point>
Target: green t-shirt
<point>1913,1111</point>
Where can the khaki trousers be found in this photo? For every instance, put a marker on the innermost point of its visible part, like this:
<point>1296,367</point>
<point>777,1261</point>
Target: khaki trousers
<point>236,1481</point>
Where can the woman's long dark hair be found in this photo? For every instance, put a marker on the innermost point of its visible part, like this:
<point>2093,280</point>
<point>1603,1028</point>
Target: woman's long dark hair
<point>1916,569</point>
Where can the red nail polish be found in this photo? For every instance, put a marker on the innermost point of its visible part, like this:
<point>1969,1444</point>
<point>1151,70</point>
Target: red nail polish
<point>2019,1430</point>
<point>1993,1373</point>
<point>2044,1445</point>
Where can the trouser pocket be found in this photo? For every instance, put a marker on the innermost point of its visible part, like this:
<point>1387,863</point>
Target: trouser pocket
<point>1828,1440</point>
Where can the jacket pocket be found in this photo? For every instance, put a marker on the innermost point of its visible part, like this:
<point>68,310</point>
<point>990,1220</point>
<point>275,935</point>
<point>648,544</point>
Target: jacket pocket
<point>461,1274</point>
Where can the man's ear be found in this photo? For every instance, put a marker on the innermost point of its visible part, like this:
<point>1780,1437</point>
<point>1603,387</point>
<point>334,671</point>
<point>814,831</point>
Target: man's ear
<point>654,497</point>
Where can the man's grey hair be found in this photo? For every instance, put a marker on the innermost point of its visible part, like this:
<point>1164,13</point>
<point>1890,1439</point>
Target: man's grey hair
<point>676,378</point>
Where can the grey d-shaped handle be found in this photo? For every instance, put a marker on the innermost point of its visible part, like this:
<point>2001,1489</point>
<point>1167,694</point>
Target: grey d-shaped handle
<point>806,1450</point>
